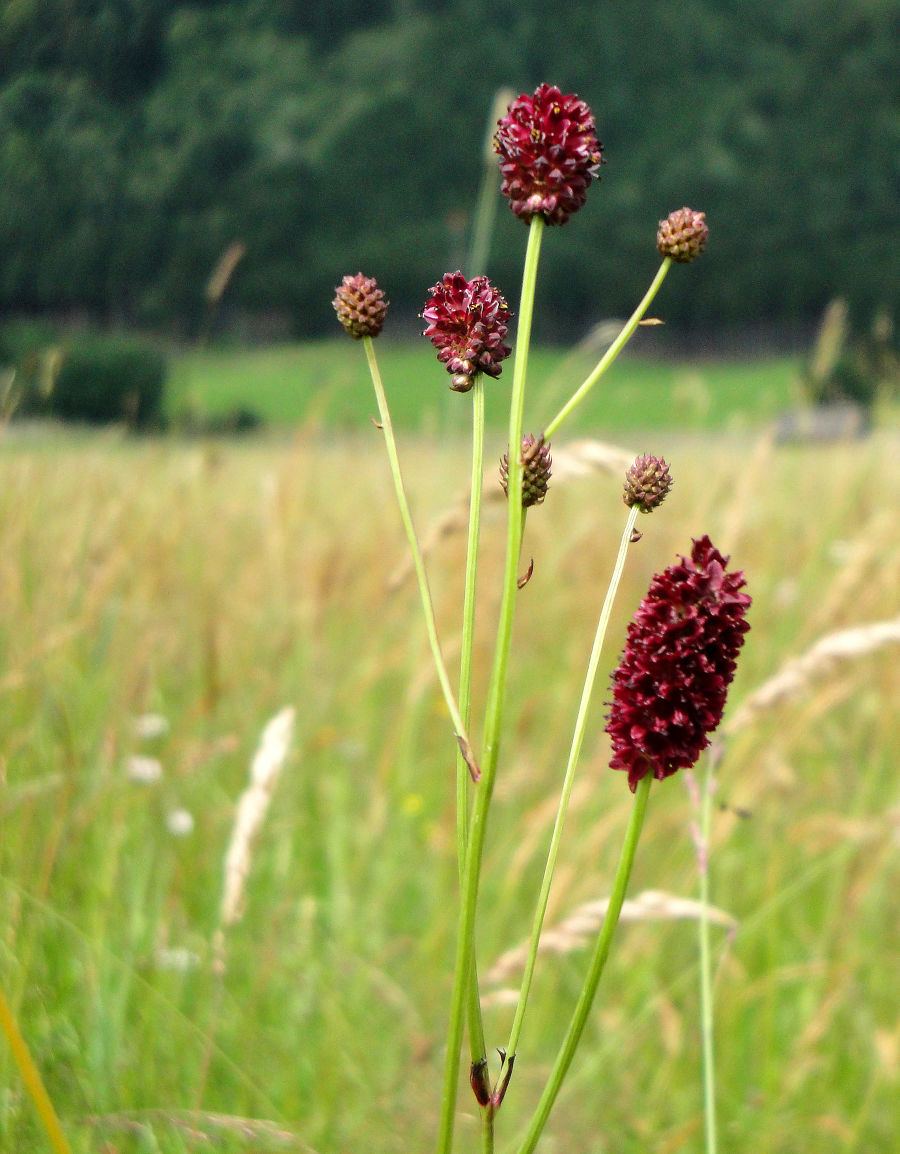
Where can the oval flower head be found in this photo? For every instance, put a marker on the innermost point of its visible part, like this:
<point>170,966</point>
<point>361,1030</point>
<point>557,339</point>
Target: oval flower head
<point>549,153</point>
<point>467,321</point>
<point>680,656</point>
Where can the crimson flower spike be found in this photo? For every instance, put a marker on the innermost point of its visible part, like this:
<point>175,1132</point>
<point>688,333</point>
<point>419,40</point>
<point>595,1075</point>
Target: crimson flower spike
<point>680,655</point>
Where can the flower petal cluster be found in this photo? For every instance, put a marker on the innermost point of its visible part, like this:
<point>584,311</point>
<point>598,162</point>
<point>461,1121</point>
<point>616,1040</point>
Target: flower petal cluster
<point>549,153</point>
<point>467,321</point>
<point>360,306</point>
<point>682,235</point>
<point>670,686</point>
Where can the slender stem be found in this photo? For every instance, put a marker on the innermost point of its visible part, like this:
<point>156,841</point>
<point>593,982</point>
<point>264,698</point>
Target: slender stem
<point>406,516</point>
<point>31,1077</point>
<point>568,782</point>
<point>494,709</point>
<point>487,1130</point>
<point>601,952</point>
<point>475,1022</point>
<point>468,622</point>
<point>706,994</point>
<point>612,352</point>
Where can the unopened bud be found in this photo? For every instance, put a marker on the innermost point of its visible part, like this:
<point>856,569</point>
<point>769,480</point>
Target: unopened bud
<point>682,235</point>
<point>646,483</point>
<point>536,461</point>
<point>360,306</point>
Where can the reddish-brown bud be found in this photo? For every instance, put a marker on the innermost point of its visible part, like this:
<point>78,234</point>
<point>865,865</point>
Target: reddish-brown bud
<point>549,153</point>
<point>536,461</point>
<point>646,483</point>
<point>682,235</point>
<point>360,306</point>
<point>670,686</point>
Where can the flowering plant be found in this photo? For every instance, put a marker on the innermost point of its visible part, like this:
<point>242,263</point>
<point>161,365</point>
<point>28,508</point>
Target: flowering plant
<point>668,692</point>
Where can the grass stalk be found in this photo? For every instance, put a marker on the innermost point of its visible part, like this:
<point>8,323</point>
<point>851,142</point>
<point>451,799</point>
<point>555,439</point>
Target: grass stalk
<point>598,962</point>
<point>34,1084</point>
<point>706,992</point>
<point>488,200</point>
<point>568,782</point>
<point>612,352</point>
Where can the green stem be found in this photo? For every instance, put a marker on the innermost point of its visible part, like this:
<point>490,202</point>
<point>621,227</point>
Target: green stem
<point>487,1130</point>
<point>32,1079</point>
<point>494,709</point>
<point>601,952</point>
<point>476,1026</point>
<point>612,352</point>
<point>706,995</point>
<point>427,606</point>
<point>568,782</point>
<point>468,622</point>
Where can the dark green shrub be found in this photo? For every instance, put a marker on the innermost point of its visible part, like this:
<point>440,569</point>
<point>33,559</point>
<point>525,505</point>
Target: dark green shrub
<point>29,348</point>
<point>105,379</point>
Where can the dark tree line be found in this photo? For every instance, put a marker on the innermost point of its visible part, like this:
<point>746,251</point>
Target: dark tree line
<point>139,138</point>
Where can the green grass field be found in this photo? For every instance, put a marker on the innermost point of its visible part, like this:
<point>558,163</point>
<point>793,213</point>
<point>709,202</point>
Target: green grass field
<point>215,582</point>
<point>325,384</point>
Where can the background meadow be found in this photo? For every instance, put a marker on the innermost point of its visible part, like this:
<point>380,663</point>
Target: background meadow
<point>213,582</point>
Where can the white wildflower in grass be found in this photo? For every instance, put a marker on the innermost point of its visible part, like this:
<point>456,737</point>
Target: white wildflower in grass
<point>176,958</point>
<point>180,822</point>
<point>151,725</point>
<point>144,770</point>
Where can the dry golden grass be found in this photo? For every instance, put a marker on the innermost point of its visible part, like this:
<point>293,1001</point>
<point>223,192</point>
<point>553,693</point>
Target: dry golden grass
<point>218,583</point>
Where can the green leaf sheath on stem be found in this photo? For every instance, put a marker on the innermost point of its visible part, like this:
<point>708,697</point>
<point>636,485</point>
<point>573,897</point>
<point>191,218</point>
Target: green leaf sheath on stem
<point>462,736</point>
<point>31,1077</point>
<point>598,961</point>
<point>568,782</point>
<point>612,352</point>
<point>494,708</point>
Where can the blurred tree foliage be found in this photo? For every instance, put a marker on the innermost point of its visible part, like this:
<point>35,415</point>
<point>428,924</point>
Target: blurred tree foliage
<point>139,138</point>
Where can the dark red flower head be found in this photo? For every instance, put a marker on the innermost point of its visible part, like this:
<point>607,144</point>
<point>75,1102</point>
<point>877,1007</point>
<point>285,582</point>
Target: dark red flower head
<point>467,321</point>
<point>549,153</point>
<point>680,655</point>
<point>360,306</point>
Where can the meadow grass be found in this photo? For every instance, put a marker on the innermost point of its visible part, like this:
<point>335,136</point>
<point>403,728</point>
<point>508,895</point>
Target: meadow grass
<point>319,384</point>
<point>216,583</point>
